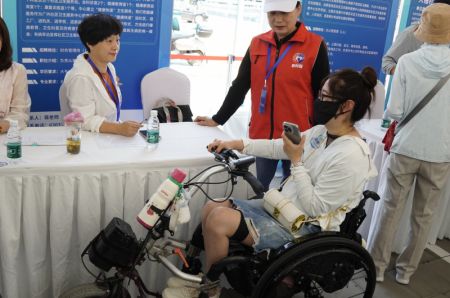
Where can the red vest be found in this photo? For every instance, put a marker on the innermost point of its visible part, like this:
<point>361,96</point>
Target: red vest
<point>293,95</point>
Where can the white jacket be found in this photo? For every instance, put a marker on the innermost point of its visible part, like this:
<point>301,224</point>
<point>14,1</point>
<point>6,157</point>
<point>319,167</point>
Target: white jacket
<point>14,98</point>
<point>329,178</point>
<point>427,136</point>
<point>83,91</point>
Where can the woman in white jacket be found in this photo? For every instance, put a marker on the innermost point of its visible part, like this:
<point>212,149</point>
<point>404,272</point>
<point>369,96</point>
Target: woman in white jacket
<point>421,149</point>
<point>90,87</point>
<point>329,169</point>
<point>14,99</point>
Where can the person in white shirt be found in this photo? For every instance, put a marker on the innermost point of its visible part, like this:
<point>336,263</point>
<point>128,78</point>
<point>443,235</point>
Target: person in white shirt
<point>14,99</point>
<point>421,149</point>
<point>329,169</point>
<point>91,86</point>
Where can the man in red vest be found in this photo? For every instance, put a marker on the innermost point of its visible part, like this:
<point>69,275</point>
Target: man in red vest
<point>283,68</point>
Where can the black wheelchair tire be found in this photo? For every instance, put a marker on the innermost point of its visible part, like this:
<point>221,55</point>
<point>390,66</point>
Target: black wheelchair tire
<point>305,250</point>
<point>90,290</point>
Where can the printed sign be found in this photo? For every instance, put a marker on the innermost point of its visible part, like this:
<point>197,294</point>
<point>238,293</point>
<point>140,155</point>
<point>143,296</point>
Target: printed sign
<point>355,31</point>
<point>415,10</point>
<point>48,43</point>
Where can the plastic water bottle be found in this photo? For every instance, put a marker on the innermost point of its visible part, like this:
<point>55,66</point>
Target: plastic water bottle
<point>153,130</point>
<point>14,142</point>
<point>159,201</point>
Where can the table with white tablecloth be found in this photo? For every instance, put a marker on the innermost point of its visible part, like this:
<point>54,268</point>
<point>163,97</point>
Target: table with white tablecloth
<point>373,133</point>
<point>53,203</point>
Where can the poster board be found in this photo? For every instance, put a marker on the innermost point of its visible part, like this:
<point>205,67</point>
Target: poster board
<point>46,42</point>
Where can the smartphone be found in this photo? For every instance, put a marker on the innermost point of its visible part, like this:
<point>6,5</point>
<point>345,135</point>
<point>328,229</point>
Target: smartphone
<point>292,132</point>
<point>143,133</point>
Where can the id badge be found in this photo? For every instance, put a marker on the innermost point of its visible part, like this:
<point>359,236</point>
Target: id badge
<point>262,101</point>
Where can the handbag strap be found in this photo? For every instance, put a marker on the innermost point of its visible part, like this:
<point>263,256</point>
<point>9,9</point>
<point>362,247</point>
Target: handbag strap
<point>423,102</point>
<point>170,103</point>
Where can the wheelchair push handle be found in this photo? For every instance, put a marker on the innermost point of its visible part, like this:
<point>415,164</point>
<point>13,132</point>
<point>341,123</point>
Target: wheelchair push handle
<point>368,194</point>
<point>371,194</point>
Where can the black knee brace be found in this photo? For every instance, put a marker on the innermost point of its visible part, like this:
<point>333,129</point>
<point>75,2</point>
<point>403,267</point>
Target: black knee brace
<point>242,230</point>
<point>197,237</point>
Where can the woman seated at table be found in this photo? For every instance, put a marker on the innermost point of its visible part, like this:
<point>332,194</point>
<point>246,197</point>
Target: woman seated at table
<point>329,169</point>
<point>14,99</point>
<point>90,87</point>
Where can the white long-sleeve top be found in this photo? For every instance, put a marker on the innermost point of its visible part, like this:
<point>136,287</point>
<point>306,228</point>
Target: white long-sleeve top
<point>83,92</point>
<point>329,178</point>
<point>427,136</point>
<point>14,98</point>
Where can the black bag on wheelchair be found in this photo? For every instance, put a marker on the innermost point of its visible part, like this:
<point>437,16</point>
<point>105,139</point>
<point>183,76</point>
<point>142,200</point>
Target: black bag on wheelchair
<point>116,245</point>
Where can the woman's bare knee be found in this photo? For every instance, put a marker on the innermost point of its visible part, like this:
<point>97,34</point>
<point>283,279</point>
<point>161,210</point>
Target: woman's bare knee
<point>211,205</point>
<point>222,220</point>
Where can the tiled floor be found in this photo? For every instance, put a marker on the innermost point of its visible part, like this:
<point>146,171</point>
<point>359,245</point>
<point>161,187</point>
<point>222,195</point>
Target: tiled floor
<point>432,279</point>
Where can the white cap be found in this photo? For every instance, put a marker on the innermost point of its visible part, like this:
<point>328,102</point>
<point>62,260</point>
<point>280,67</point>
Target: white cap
<point>154,113</point>
<point>280,5</point>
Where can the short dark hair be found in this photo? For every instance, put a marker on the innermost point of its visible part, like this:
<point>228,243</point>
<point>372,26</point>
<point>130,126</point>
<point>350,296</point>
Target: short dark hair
<point>98,27</point>
<point>350,84</point>
<point>6,50</point>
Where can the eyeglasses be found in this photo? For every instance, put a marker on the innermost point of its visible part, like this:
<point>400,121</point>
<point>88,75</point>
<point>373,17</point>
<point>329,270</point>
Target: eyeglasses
<point>321,97</point>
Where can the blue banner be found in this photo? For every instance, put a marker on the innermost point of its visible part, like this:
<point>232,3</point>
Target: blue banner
<point>355,31</point>
<point>415,10</point>
<point>48,43</point>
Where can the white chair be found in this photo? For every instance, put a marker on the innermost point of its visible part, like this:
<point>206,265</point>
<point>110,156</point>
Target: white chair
<point>164,83</point>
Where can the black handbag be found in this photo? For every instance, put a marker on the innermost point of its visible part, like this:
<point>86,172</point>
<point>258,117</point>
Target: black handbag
<point>170,112</point>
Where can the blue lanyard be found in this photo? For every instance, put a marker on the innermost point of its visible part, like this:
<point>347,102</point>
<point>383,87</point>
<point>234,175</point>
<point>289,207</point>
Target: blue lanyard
<point>269,71</point>
<point>114,97</point>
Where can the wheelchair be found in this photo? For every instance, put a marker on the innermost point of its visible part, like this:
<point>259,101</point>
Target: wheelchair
<point>323,264</point>
<point>320,264</point>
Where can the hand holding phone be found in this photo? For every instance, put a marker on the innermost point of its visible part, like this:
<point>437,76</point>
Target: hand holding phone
<point>292,132</point>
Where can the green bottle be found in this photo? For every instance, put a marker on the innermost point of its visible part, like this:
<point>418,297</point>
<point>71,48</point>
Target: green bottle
<point>14,141</point>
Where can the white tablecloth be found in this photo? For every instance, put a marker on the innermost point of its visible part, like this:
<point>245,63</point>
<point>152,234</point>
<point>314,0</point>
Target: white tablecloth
<point>53,203</point>
<point>373,133</point>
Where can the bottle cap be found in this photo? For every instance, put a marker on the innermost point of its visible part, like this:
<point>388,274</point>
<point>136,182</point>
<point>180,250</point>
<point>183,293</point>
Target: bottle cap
<point>154,113</point>
<point>178,175</point>
<point>14,123</point>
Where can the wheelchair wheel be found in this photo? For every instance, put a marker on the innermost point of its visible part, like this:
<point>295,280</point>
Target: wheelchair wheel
<point>327,266</point>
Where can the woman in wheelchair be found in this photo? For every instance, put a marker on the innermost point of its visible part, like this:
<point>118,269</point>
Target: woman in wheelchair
<point>329,169</point>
